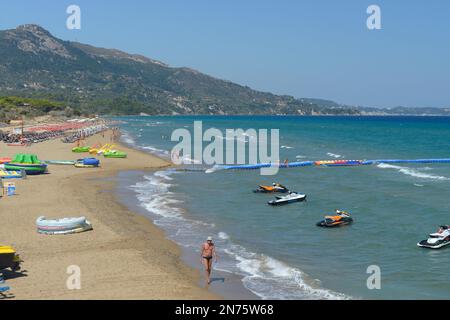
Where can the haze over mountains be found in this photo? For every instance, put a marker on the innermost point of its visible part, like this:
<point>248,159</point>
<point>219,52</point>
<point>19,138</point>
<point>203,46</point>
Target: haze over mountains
<point>33,63</point>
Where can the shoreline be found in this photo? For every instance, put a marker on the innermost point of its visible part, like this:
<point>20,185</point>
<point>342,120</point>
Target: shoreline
<point>225,284</point>
<point>293,115</point>
<point>125,257</point>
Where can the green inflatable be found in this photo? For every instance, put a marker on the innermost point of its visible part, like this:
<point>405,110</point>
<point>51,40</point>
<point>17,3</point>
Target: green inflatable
<point>115,154</point>
<point>27,162</point>
<point>81,149</point>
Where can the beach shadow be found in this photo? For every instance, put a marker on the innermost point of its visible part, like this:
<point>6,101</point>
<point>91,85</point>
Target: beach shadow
<point>13,274</point>
<point>221,279</point>
<point>6,295</point>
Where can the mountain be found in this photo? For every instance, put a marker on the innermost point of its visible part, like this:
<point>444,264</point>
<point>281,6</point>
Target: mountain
<point>35,64</point>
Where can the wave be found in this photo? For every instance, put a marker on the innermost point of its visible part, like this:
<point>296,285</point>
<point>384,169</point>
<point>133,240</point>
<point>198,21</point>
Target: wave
<point>411,172</point>
<point>265,276</point>
<point>270,278</point>
<point>244,139</point>
<point>155,150</point>
<point>334,155</point>
<point>128,139</point>
<point>223,235</point>
<point>156,123</point>
<point>186,159</point>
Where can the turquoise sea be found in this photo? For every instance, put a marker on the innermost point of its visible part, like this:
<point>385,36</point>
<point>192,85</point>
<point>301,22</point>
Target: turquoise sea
<point>278,251</point>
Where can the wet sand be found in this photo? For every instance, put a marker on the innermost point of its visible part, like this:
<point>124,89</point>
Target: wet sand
<point>225,284</point>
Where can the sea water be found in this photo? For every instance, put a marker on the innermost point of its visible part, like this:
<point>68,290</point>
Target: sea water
<point>279,251</point>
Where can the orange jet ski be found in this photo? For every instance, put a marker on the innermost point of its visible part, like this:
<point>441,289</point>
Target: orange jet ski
<point>275,187</point>
<point>341,218</point>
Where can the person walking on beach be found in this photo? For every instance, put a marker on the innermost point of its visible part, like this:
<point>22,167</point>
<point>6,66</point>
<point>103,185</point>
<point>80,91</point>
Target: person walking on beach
<point>208,252</point>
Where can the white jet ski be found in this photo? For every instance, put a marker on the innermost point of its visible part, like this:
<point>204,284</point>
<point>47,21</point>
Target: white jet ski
<point>291,197</point>
<point>437,240</point>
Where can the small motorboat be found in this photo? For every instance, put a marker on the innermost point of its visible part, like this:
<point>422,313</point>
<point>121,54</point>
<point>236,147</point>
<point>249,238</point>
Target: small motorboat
<point>437,240</point>
<point>275,187</point>
<point>290,198</point>
<point>341,218</point>
<point>62,226</point>
<point>9,259</point>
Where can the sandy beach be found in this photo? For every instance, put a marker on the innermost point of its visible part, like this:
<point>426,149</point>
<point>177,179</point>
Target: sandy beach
<point>124,257</point>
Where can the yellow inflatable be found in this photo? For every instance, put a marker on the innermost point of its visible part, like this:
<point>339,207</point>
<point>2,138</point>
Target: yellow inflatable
<point>9,258</point>
<point>100,150</point>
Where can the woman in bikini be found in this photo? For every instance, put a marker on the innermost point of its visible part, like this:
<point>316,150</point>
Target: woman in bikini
<point>208,252</point>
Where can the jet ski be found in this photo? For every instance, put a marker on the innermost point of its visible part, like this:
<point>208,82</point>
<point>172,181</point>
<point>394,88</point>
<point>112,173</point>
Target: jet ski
<point>341,218</point>
<point>437,240</point>
<point>291,197</point>
<point>275,187</point>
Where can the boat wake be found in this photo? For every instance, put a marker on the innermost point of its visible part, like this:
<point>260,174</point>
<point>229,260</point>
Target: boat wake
<point>411,172</point>
<point>214,169</point>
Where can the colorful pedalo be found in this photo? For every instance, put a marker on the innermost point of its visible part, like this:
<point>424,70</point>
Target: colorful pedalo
<point>115,154</point>
<point>81,149</point>
<point>4,174</point>
<point>27,162</point>
<point>87,163</point>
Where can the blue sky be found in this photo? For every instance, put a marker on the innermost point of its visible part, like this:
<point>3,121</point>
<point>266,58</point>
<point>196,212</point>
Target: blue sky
<point>317,49</point>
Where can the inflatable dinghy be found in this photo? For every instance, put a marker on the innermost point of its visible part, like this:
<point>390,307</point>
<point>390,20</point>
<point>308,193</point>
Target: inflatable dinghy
<point>62,226</point>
